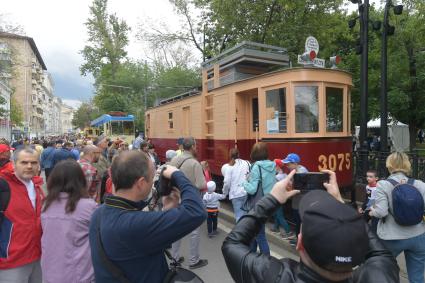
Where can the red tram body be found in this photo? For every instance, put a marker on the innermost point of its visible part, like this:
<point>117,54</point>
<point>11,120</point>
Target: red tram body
<point>250,94</point>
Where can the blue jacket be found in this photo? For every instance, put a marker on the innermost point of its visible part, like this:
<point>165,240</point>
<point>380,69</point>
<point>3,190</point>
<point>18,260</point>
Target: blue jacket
<point>47,157</point>
<point>268,173</point>
<point>76,153</point>
<point>135,240</point>
<point>62,154</point>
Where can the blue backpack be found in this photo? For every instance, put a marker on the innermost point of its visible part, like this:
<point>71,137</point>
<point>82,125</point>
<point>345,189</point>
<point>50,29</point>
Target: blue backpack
<point>408,203</point>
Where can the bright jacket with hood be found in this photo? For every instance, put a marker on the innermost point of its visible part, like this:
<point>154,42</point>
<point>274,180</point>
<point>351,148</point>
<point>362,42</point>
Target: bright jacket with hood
<point>20,235</point>
<point>268,173</point>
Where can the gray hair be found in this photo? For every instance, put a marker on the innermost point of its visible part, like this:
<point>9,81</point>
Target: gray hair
<point>26,149</point>
<point>188,143</point>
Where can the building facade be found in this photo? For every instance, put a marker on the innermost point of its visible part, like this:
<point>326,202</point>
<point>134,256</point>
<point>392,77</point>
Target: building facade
<point>5,125</point>
<point>67,114</point>
<point>26,78</point>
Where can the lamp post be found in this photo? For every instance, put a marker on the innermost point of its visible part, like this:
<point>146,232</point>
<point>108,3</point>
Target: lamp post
<point>364,50</point>
<point>387,30</point>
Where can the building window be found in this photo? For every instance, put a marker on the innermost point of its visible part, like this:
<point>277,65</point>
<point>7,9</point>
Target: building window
<point>306,109</point>
<point>276,111</point>
<point>170,120</point>
<point>334,109</point>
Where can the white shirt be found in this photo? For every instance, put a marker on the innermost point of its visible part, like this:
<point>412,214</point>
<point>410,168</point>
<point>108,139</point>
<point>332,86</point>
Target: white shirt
<point>31,192</point>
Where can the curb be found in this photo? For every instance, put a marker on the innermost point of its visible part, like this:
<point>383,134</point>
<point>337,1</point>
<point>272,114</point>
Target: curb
<point>226,213</point>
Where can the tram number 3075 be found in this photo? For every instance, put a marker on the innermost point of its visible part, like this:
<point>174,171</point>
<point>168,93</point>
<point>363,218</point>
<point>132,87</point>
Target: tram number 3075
<point>335,162</point>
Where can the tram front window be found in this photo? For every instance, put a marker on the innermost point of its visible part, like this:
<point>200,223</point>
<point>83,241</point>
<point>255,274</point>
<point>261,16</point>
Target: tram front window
<point>306,109</point>
<point>276,110</point>
<point>116,128</point>
<point>334,109</point>
<point>128,127</point>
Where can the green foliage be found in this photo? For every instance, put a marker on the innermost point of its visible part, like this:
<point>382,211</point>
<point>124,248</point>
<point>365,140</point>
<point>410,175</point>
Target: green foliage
<point>85,114</point>
<point>16,113</point>
<point>108,37</point>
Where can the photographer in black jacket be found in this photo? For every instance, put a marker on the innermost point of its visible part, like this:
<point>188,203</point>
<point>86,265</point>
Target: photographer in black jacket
<point>333,240</point>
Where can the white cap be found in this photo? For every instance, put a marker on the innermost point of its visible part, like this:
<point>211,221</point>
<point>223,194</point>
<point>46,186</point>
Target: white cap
<point>211,186</point>
<point>170,154</point>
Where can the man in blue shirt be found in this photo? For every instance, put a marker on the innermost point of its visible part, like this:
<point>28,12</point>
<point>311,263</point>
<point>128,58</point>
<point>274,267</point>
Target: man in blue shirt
<point>63,153</point>
<point>47,159</point>
<point>134,241</point>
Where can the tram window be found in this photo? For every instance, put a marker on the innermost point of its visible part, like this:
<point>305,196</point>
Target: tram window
<point>128,128</point>
<point>306,109</point>
<point>170,120</point>
<point>117,128</point>
<point>276,111</point>
<point>334,109</point>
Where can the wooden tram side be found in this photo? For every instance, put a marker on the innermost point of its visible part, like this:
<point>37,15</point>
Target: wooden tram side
<point>268,106</point>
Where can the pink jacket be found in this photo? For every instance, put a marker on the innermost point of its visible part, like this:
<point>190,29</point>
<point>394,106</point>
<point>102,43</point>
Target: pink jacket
<point>65,247</point>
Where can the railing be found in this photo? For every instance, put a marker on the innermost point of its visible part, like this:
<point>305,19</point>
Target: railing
<point>376,161</point>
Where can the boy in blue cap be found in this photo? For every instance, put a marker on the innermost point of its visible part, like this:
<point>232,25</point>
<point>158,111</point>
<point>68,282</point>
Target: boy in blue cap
<point>292,161</point>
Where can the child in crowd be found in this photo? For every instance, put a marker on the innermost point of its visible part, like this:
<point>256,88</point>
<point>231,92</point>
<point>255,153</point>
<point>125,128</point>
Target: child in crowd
<point>279,217</point>
<point>211,202</point>
<point>372,181</point>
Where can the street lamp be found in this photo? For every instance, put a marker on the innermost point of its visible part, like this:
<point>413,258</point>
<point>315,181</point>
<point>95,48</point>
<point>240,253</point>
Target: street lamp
<point>387,30</point>
<point>363,49</point>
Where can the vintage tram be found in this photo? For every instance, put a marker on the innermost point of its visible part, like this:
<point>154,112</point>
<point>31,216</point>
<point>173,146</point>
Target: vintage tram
<point>250,93</point>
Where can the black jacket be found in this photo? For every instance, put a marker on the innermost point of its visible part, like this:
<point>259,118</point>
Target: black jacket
<point>246,266</point>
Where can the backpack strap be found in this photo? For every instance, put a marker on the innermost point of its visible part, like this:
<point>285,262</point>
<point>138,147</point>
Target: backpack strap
<point>393,182</point>
<point>181,164</point>
<point>410,181</point>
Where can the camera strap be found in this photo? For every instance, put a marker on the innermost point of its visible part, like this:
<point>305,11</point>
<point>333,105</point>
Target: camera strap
<point>110,266</point>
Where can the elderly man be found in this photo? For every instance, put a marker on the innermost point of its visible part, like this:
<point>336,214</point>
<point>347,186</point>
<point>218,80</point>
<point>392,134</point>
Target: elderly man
<point>91,154</point>
<point>102,164</point>
<point>20,248</point>
<point>192,169</point>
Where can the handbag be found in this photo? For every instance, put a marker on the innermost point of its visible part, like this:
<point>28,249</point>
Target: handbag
<point>251,200</point>
<point>175,274</point>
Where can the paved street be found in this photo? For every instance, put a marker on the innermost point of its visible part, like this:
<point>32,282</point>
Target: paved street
<point>216,270</point>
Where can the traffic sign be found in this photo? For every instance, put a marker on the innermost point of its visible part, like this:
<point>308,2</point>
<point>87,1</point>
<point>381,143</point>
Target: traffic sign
<point>311,44</point>
<point>316,62</point>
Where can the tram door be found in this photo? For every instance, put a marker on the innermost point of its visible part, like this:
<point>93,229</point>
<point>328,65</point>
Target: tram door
<point>186,122</point>
<point>247,120</point>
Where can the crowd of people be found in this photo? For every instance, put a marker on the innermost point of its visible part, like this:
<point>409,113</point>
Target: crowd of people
<point>96,222</point>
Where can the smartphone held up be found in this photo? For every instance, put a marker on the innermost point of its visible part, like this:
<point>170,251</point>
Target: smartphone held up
<point>306,182</point>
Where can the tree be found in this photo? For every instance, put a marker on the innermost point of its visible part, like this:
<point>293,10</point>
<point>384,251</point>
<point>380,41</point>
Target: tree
<point>85,114</point>
<point>407,68</point>
<point>16,114</point>
<point>108,37</point>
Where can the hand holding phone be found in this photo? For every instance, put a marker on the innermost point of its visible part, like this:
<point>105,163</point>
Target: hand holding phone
<point>306,182</point>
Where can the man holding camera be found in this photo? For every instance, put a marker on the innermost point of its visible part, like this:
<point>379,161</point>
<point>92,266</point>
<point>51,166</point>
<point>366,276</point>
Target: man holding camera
<point>128,244</point>
<point>192,169</point>
<point>333,240</point>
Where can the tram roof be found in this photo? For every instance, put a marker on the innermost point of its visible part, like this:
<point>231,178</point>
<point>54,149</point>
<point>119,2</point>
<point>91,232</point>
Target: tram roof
<point>248,51</point>
<point>109,118</point>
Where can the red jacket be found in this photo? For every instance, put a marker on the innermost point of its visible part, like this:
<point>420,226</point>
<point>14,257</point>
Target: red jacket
<point>21,229</point>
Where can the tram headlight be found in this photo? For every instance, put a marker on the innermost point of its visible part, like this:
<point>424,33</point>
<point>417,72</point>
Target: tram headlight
<point>308,56</point>
<point>334,60</point>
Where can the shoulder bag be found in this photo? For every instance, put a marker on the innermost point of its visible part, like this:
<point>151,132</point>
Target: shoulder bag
<point>251,200</point>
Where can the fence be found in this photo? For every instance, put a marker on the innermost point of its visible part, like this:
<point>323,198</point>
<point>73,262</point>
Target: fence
<point>376,161</point>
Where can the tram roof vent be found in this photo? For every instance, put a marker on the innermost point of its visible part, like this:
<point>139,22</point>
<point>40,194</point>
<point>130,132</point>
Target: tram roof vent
<point>245,60</point>
<point>250,53</point>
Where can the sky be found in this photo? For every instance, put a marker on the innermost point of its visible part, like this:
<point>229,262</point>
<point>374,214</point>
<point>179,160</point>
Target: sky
<point>58,29</point>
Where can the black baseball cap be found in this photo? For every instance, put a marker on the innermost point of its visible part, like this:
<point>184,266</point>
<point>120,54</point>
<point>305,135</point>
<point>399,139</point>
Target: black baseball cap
<point>333,234</point>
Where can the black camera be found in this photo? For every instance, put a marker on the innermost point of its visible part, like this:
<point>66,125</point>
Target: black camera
<point>164,185</point>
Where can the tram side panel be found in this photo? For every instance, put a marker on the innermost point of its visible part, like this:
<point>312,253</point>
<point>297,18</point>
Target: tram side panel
<point>171,121</point>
